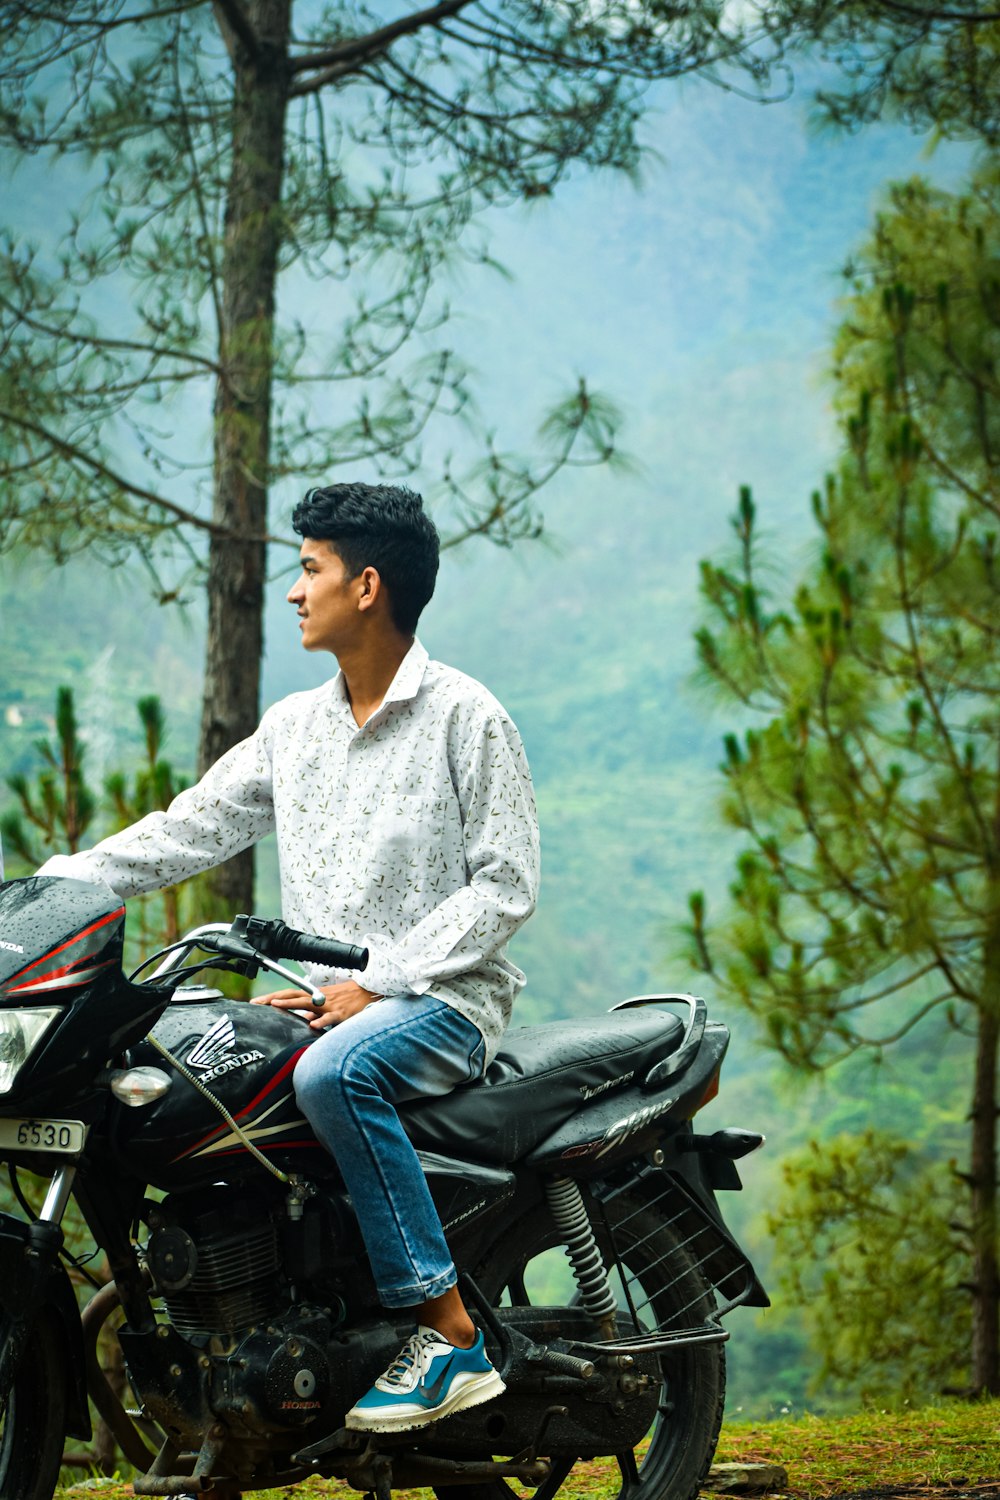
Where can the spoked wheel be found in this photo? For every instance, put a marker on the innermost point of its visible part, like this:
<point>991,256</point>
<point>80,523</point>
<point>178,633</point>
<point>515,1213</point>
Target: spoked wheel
<point>667,1290</point>
<point>33,1422</point>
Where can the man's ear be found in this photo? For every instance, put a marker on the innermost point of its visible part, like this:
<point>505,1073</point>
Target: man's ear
<point>370,587</point>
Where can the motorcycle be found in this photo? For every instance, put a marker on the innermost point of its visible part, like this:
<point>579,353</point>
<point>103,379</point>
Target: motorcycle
<point>575,1193</point>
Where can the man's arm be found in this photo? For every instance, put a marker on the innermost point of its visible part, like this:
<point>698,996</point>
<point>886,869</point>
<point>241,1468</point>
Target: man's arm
<point>229,809</point>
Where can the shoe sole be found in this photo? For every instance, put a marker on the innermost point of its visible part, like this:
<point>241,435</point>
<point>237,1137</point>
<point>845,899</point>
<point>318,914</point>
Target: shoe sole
<point>481,1389</point>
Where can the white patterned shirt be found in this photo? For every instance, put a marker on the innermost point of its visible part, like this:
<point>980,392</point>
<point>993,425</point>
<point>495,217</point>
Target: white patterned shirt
<point>414,835</point>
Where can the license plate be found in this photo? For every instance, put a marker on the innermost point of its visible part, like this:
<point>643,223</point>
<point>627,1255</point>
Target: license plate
<point>63,1136</point>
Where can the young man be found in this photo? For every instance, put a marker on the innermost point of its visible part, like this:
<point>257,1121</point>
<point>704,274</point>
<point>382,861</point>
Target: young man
<point>405,822</point>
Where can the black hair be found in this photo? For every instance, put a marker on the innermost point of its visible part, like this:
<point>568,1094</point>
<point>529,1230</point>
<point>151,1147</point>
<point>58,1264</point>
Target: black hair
<point>382,526</point>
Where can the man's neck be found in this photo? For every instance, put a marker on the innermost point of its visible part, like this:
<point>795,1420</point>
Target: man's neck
<point>369,670</point>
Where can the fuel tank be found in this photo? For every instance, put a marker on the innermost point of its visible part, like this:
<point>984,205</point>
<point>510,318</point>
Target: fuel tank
<point>243,1055</point>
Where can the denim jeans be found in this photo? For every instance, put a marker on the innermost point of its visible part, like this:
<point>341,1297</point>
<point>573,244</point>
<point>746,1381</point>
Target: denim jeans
<point>347,1085</point>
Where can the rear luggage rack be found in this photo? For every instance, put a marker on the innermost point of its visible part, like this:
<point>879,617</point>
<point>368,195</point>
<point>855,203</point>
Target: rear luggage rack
<point>714,1257</point>
<point>658,1343</point>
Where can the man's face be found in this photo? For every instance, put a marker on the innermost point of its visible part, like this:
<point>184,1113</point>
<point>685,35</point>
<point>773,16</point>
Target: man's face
<point>326,599</point>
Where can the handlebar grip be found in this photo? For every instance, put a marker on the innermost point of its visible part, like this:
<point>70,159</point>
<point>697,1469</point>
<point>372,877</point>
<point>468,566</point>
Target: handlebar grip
<point>308,949</point>
<point>279,941</point>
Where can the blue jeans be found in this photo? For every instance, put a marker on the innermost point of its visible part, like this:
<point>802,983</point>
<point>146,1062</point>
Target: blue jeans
<point>347,1085</point>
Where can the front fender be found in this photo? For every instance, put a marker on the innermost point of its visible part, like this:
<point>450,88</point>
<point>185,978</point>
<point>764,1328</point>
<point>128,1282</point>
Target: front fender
<point>33,1279</point>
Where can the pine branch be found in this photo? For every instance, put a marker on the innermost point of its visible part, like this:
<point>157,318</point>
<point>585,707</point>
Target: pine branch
<point>340,57</point>
<point>76,455</point>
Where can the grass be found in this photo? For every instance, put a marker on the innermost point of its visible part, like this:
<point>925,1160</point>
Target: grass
<point>939,1448</point>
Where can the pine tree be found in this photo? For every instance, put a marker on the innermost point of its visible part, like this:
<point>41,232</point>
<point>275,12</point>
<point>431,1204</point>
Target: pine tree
<point>935,67</point>
<point>54,813</point>
<point>154,786</point>
<point>867,898</point>
<point>58,807</point>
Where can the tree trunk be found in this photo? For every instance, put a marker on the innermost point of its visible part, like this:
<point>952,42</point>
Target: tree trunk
<point>236,569</point>
<point>983,1183</point>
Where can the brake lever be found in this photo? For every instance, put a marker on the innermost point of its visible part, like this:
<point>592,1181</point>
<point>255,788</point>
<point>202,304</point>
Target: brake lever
<point>317,999</point>
<point>235,947</point>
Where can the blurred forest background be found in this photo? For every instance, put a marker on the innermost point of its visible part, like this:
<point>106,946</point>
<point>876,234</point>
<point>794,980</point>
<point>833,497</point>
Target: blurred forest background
<point>702,299</point>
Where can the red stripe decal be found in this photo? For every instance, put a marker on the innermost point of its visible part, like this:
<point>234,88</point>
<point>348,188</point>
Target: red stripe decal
<point>111,917</point>
<point>46,979</point>
<point>283,1072</point>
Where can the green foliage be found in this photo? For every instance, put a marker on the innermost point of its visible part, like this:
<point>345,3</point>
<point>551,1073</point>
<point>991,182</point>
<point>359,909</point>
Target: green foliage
<point>930,1449</point>
<point>872,1249</point>
<point>947,1447</point>
<point>156,783</point>
<point>234,163</point>
<point>63,806</point>
<point>60,806</point>
<point>868,792</point>
<point>867,896</point>
<point>157,915</point>
<point>935,67</point>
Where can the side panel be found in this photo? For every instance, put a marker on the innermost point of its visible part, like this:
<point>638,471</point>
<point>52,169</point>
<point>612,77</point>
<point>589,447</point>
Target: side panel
<point>466,1194</point>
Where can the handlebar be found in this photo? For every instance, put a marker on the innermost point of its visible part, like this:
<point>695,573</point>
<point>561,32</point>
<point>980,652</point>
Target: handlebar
<point>254,942</point>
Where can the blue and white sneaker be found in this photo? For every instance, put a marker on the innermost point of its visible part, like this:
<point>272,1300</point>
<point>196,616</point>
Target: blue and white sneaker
<point>428,1380</point>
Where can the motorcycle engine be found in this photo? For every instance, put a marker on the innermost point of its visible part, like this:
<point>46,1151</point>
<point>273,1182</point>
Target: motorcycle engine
<point>251,1292</point>
<point>214,1257</point>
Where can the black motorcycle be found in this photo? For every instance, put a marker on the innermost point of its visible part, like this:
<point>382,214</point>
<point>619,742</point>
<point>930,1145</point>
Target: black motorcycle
<point>577,1199</point>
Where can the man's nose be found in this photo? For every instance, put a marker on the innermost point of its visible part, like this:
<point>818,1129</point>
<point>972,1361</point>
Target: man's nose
<point>295,592</point>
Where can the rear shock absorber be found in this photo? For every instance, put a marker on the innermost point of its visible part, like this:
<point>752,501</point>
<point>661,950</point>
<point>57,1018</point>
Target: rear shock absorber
<point>566,1205</point>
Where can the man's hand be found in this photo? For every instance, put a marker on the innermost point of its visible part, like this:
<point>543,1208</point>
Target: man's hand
<point>342,1000</point>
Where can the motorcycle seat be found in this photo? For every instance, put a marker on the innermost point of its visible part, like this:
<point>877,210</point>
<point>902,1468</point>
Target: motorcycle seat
<point>540,1077</point>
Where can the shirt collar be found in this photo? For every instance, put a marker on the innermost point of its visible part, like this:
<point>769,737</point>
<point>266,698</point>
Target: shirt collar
<point>404,686</point>
<point>409,676</point>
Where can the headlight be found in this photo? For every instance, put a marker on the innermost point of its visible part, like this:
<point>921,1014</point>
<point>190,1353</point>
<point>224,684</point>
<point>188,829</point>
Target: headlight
<point>20,1033</point>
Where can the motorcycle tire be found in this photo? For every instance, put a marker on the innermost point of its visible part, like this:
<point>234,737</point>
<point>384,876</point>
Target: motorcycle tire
<point>33,1424</point>
<point>683,1439</point>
